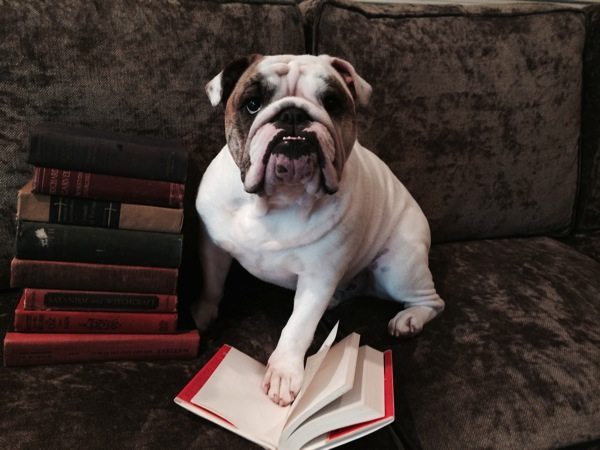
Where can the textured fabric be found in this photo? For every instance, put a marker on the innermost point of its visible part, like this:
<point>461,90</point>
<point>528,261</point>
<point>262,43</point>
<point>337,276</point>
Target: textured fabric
<point>133,67</point>
<point>476,108</point>
<point>589,198</point>
<point>586,243</point>
<point>514,360</point>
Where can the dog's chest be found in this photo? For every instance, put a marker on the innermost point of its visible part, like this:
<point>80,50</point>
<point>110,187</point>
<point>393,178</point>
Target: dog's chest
<point>279,245</point>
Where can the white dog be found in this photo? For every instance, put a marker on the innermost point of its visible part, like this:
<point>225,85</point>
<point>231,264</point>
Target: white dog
<point>300,203</point>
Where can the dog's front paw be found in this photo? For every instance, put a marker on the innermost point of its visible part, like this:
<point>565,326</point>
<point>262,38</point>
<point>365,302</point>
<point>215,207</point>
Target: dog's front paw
<point>204,313</point>
<point>283,378</point>
<point>410,322</point>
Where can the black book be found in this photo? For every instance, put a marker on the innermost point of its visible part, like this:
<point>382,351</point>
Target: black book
<point>54,242</point>
<point>88,150</point>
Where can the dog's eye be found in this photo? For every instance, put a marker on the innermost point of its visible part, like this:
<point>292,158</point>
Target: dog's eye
<point>253,105</point>
<point>332,103</point>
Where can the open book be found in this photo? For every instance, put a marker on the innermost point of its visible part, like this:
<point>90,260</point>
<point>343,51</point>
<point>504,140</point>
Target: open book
<point>347,393</point>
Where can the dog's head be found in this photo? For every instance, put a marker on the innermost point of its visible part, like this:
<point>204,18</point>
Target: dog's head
<point>289,120</point>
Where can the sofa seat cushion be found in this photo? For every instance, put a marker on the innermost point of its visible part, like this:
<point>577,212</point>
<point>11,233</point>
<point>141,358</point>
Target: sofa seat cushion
<point>513,361</point>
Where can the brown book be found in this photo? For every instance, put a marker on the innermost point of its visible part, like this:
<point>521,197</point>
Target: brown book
<point>96,213</point>
<point>93,277</point>
<point>27,349</point>
<point>69,183</point>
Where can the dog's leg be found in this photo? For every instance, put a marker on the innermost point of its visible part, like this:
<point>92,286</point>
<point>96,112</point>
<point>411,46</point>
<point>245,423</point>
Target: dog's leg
<point>215,266</point>
<point>285,370</point>
<point>405,277</point>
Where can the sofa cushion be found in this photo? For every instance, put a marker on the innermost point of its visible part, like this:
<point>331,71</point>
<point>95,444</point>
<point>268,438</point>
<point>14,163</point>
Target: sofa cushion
<point>475,107</point>
<point>589,198</point>
<point>513,361</point>
<point>133,67</point>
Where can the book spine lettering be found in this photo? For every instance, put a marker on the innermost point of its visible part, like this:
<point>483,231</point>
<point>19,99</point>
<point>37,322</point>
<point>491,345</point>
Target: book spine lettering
<point>93,322</point>
<point>109,153</point>
<point>47,299</point>
<point>26,349</point>
<point>93,277</point>
<point>67,183</point>
<point>46,241</point>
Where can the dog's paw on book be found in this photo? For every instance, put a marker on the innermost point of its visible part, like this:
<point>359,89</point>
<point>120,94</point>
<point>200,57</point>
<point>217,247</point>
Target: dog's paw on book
<point>347,393</point>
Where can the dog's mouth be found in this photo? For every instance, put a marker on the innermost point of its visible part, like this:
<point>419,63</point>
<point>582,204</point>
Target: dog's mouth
<point>292,146</point>
<point>293,159</point>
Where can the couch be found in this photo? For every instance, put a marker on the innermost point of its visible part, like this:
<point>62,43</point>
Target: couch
<point>489,114</point>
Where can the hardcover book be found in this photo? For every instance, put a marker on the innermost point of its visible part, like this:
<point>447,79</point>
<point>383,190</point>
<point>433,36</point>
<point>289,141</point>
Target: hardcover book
<point>96,213</point>
<point>28,349</point>
<point>94,277</point>
<point>70,300</point>
<point>347,393</point>
<point>69,183</point>
<point>54,242</point>
<point>48,321</point>
<point>89,150</point>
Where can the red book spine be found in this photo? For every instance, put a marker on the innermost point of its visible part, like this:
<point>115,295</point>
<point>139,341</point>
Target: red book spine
<point>56,300</point>
<point>70,183</point>
<point>92,321</point>
<point>94,277</point>
<point>27,349</point>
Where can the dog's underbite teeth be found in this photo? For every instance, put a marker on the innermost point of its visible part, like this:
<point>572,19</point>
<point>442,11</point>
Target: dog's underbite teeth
<point>294,139</point>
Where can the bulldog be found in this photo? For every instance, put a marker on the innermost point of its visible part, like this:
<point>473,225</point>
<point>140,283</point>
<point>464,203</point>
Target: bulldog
<point>301,204</point>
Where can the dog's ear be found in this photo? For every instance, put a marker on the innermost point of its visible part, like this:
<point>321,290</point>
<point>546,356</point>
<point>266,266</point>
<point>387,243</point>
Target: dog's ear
<point>359,88</point>
<point>220,87</point>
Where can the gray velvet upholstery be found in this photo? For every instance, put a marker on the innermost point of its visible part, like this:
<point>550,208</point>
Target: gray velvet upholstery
<point>475,108</point>
<point>487,112</point>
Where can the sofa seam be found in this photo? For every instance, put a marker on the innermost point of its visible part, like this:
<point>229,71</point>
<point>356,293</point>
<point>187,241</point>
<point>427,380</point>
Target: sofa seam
<point>462,13</point>
<point>580,200</point>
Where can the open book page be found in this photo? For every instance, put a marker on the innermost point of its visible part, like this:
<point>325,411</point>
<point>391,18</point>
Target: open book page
<point>234,393</point>
<point>364,402</point>
<point>334,378</point>
<point>313,363</point>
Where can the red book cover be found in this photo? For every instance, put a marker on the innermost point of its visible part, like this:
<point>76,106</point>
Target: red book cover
<point>94,277</point>
<point>68,300</point>
<point>27,349</point>
<point>70,183</point>
<point>92,321</point>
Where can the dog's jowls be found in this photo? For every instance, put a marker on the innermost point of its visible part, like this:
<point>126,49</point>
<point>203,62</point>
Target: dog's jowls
<point>300,203</point>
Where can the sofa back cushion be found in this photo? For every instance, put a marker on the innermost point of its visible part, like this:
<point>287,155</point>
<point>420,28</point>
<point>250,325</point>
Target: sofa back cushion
<point>476,108</point>
<point>133,67</point>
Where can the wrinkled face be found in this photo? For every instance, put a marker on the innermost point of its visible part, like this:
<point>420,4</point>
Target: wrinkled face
<point>289,120</point>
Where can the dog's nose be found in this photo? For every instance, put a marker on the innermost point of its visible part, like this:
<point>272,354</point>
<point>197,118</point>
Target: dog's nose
<point>293,117</point>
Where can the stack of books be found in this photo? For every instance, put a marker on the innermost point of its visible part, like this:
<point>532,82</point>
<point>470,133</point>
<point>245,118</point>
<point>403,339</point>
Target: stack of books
<point>98,250</point>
